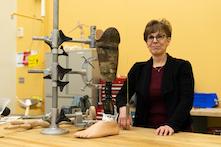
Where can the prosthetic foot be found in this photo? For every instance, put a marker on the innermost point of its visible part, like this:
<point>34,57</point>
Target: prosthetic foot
<point>99,129</point>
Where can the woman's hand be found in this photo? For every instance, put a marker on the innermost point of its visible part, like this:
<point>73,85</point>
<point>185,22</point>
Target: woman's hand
<point>164,130</point>
<point>124,121</point>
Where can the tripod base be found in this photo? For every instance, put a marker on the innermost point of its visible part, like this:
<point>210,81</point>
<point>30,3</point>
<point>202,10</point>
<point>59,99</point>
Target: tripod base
<point>54,131</point>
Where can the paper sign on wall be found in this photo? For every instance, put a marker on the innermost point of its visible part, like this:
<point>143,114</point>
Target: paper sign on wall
<point>33,60</point>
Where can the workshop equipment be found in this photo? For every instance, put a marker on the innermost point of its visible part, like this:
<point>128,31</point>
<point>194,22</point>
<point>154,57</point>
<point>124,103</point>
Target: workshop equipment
<point>3,109</point>
<point>107,50</point>
<point>27,103</point>
<point>54,42</point>
<point>205,100</point>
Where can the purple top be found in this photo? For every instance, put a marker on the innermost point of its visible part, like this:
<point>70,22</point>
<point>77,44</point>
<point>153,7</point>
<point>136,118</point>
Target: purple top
<point>157,110</point>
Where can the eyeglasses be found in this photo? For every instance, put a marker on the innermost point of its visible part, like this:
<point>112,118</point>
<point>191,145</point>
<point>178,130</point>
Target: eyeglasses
<point>158,38</point>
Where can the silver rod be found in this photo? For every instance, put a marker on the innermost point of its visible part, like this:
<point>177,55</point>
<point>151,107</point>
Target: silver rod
<point>86,41</point>
<point>35,71</point>
<point>82,72</point>
<point>78,72</point>
<point>54,109</point>
<point>92,36</point>
<point>56,14</point>
<point>40,38</point>
<point>55,54</point>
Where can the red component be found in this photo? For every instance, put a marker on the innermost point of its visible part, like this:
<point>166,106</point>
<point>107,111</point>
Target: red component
<point>99,111</point>
<point>25,57</point>
<point>116,86</point>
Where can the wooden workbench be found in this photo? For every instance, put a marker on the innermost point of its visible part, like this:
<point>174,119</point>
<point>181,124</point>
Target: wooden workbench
<point>206,119</point>
<point>210,112</point>
<point>136,137</point>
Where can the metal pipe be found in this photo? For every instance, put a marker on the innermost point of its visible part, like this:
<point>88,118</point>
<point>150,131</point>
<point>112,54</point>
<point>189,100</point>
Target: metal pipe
<point>92,36</point>
<point>56,14</point>
<point>44,38</point>
<point>35,71</point>
<point>26,16</point>
<point>86,41</point>
<point>55,55</point>
<point>82,72</point>
<point>54,129</point>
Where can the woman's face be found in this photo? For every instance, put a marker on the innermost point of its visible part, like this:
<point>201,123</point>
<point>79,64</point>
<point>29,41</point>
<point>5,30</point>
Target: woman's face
<point>157,43</point>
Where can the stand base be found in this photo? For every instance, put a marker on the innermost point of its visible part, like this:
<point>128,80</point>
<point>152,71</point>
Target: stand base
<point>54,131</point>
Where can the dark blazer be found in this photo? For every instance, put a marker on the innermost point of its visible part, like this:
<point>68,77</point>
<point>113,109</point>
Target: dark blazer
<point>177,90</point>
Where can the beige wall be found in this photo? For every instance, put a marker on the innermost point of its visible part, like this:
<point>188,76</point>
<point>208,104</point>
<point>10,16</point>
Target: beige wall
<point>196,33</point>
<point>7,49</point>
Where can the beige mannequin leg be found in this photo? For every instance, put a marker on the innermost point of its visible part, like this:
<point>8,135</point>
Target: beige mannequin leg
<point>99,129</point>
<point>27,124</point>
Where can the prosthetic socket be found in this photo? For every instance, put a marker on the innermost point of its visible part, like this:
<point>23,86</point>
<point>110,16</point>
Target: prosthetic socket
<point>107,49</point>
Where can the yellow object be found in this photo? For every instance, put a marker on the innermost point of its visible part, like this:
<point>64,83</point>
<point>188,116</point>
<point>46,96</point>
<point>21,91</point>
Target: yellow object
<point>37,97</point>
<point>33,60</point>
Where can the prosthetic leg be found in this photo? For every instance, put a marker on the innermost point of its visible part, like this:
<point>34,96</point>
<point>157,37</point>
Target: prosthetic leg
<point>107,49</point>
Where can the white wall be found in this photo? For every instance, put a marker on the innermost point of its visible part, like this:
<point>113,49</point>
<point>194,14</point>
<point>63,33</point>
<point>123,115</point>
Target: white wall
<point>8,51</point>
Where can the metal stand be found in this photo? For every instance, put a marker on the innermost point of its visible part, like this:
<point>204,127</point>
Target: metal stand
<point>54,128</point>
<point>54,42</point>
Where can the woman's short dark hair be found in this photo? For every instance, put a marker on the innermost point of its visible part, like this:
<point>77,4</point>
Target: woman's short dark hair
<point>156,25</point>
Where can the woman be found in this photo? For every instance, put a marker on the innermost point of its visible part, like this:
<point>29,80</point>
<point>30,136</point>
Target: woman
<point>164,86</point>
